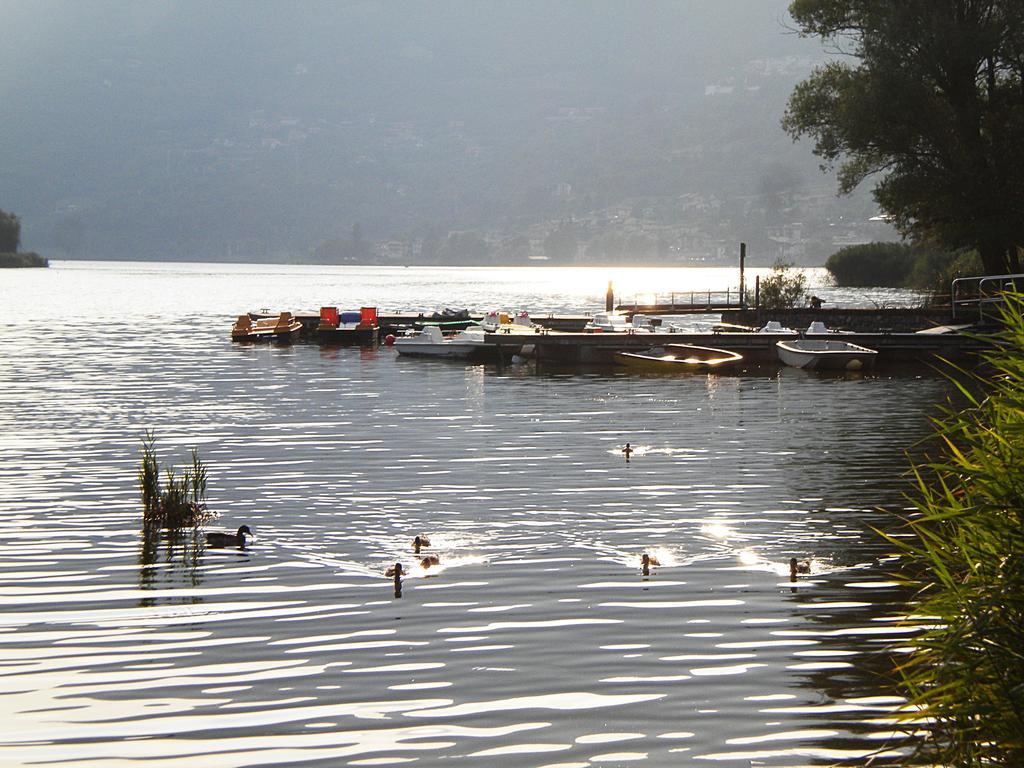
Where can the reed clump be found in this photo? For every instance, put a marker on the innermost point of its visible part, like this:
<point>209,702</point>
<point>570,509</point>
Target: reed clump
<point>964,675</point>
<point>181,501</point>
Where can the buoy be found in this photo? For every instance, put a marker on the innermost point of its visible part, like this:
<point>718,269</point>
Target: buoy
<point>389,340</point>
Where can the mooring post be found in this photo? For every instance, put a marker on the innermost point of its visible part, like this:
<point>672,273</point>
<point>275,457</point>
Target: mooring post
<point>743,259</point>
<point>609,298</point>
<point>757,292</point>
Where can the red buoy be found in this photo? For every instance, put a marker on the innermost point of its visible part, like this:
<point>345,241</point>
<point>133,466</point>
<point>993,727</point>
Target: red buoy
<point>389,340</point>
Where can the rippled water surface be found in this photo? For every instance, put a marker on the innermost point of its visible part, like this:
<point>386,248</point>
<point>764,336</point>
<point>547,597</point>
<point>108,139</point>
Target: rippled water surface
<point>535,642</point>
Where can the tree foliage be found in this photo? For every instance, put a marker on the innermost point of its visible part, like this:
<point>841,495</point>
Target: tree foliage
<point>930,102</point>
<point>784,288</point>
<point>872,264</point>
<point>10,232</point>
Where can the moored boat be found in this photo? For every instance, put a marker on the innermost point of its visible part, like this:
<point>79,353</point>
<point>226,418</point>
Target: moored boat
<point>680,357</point>
<point>777,328</point>
<point>614,322</point>
<point>284,327</point>
<point>431,342</point>
<point>825,355</point>
<point>347,327</point>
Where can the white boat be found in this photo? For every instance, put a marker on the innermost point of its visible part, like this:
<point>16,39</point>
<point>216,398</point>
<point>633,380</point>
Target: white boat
<point>825,355</point>
<point>614,322</point>
<point>818,328</point>
<point>430,342</point>
<point>500,322</point>
<point>777,328</point>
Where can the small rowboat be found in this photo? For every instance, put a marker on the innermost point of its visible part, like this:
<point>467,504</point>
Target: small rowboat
<point>822,355</point>
<point>679,358</point>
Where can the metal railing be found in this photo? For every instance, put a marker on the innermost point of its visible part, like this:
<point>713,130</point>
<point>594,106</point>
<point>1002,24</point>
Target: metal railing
<point>686,300</point>
<point>975,295</point>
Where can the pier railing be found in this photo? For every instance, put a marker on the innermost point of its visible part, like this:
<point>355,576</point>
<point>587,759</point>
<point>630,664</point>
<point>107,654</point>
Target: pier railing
<point>974,297</point>
<point>683,302</point>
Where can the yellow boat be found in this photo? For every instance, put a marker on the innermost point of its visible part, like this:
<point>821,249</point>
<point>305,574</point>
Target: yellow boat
<point>281,328</point>
<point>685,358</point>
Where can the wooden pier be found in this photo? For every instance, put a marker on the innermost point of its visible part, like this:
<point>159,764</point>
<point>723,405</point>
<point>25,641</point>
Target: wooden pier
<point>756,348</point>
<point>560,340</point>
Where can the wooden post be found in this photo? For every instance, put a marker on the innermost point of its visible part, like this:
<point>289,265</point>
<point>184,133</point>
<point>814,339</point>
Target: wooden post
<point>609,298</point>
<point>743,259</point>
<point>757,291</point>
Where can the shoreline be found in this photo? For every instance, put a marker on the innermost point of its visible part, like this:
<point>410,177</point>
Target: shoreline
<point>22,260</point>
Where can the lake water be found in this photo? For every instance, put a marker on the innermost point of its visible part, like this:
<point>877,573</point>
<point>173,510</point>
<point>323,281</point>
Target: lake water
<point>537,641</point>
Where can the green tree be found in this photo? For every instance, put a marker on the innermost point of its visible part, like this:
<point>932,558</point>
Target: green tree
<point>782,289</point>
<point>930,103</point>
<point>871,264</point>
<point>10,232</point>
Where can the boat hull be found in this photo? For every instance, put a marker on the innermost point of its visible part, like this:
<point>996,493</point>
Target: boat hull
<point>283,328</point>
<point>280,335</point>
<point>443,350</point>
<point>826,355</point>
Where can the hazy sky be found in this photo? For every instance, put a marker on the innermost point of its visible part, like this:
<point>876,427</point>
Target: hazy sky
<point>121,109</point>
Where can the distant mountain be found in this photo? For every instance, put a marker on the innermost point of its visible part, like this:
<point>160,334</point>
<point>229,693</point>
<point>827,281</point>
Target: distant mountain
<point>184,129</point>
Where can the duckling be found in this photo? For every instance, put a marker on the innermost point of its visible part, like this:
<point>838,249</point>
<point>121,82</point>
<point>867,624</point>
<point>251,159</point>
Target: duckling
<point>419,541</point>
<point>798,566</point>
<point>646,561</point>
<point>430,560</point>
<point>219,539</point>
<point>395,570</point>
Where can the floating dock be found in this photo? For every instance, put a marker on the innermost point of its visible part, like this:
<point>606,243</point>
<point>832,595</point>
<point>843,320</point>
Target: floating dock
<point>756,348</point>
<point>560,339</point>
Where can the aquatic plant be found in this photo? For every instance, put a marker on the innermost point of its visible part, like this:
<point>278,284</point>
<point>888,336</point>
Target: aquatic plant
<point>181,502</point>
<point>963,552</point>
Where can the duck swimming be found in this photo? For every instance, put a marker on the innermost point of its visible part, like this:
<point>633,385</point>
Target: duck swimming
<point>420,541</point>
<point>798,566</point>
<point>430,560</point>
<point>395,570</point>
<point>220,539</point>
<point>646,561</point>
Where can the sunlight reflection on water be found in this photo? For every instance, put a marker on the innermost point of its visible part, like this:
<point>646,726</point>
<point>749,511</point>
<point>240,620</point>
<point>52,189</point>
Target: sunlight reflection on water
<point>535,633</point>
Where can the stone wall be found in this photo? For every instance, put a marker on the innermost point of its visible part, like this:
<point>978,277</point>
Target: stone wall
<point>860,320</point>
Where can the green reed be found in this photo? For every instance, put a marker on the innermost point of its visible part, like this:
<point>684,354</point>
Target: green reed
<point>181,502</point>
<point>964,674</point>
